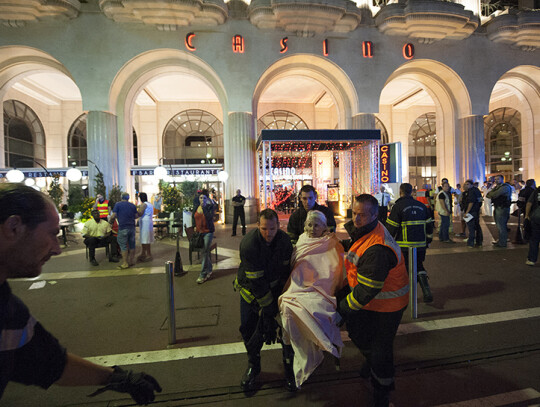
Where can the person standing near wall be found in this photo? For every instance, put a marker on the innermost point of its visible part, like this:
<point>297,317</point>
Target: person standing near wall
<point>501,198</point>
<point>204,224</point>
<point>238,203</point>
<point>146,227</point>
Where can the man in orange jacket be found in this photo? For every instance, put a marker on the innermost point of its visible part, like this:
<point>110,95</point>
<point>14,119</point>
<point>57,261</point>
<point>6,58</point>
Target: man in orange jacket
<point>377,294</point>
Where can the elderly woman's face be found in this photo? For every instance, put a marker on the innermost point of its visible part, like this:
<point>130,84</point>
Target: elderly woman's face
<point>314,227</point>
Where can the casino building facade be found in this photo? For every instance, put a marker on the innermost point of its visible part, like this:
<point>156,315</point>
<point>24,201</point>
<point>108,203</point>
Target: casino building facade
<point>126,85</point>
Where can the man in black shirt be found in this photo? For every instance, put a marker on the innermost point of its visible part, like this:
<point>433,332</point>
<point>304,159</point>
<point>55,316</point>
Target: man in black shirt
<point>472,202</point>
<point>308,198</point>
<point>29,354</point>
<point>238,203</point>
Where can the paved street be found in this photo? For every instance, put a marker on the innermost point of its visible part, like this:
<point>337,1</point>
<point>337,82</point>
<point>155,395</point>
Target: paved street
<point>477,344</point>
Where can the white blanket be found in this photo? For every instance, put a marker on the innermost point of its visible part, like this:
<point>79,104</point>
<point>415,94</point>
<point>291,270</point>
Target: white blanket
<point>308,305</point>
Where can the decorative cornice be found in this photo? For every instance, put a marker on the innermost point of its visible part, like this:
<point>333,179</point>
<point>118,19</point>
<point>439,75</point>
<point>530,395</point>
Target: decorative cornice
<point>17,13</point>
<point>166,15</point>
<point>305,18</point>
<point>427,20</point>
<point>520,29</point>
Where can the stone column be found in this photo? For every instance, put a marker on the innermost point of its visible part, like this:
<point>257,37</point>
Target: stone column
<point>240,163</point>
<point>102,141</point>
<point>2,146</point>
<point>365,121</point>
<point>470,156</point>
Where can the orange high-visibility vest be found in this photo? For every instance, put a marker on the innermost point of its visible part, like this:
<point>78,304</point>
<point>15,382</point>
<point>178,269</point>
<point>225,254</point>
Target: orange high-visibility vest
<point>103,209</point>
<point>422,195</point>
<point>394,294</point>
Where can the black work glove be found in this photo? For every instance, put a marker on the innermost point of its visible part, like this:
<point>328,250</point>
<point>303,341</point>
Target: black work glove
<point>269,329</point>
<point>140,386</point>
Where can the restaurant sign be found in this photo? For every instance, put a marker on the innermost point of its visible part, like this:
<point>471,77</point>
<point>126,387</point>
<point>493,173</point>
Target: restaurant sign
<point>179,171</point>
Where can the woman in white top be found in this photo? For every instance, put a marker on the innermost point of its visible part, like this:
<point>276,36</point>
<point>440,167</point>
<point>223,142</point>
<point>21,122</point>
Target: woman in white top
<point>146,227</point>
<point>308,305</point>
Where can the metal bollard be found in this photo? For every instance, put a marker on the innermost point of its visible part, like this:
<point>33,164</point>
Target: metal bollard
<point>413,277</point>
<point>169,272</point>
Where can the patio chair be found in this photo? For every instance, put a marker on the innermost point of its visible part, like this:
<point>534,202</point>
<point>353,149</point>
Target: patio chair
<point>189,232</point>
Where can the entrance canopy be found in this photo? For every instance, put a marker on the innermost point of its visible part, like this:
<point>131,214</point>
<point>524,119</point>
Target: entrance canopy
<point>344,159</point>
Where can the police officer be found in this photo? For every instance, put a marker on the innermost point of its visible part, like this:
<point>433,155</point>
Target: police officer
<point>383,198</point>
<point>265,255</point>
<point>501,198</point>
<point>238,202</point>
<point>411,224</point>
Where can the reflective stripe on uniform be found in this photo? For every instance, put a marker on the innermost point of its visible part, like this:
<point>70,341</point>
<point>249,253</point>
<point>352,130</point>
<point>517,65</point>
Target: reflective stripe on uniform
<point>254,274</point>
<point>266,299</point>
<point>384,295</point>
<point>369,282</point>
<point>392,223</point>
<point>403,243</point>
<point>11,339</point>
<point>353,304</point>
<point>353,258</point>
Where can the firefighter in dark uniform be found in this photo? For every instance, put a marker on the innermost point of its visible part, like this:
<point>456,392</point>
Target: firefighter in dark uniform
<point>308,198</point>
<point>411,224</point>
<point>265,255</point>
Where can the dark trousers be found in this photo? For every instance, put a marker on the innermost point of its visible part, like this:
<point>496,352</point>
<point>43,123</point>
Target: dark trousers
<point>239,213</point>
<point>475,231</point>
<point>253,340</point>
<point>94,242</point>
<point>383,214</point>
<point>420,257</point>
<point>373,333</point>
<point>534,241</point>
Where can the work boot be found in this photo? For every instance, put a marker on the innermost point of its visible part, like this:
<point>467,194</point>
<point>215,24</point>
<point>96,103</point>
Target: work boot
<point>288,360</point>
<point>243,231</point>
<point>249,377</point>
<point>381,394</point>
<point>113,259</point>
<point>94,262</point>
<point>426,291</point>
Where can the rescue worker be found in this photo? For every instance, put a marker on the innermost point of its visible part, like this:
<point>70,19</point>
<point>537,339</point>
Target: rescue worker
<point>102,205</point>
<point>373,302</point>
<point>265,255</point>
<point>425,196</point>
<point>411,224</point>
<point>308,202</point>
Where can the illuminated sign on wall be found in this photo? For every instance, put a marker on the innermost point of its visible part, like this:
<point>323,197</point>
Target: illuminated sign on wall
<point>390,159</point>
<point>408,51</point>
<point>284,46</point>
<point>43,174</point>
<point>179,171</point>
<point>367,49</point>
<point>279,172</point>
<point>188,41</point>
<point>238,44</point>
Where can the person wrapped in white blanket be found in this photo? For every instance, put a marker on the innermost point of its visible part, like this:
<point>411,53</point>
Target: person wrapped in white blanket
<point>308,306</point>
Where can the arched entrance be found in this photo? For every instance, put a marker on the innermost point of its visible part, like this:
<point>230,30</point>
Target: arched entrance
<point>421,86</point>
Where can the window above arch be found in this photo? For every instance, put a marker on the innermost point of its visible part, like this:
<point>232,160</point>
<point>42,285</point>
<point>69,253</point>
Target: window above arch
<point>502,129</point>
<point>24,137</point>
<point>281,119</point>
<point>193,136</point>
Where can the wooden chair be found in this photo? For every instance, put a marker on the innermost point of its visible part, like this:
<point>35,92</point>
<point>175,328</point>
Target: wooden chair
<point>213,246</point>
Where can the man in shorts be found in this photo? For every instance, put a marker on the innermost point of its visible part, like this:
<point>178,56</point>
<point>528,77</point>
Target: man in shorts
<point>126,213</point>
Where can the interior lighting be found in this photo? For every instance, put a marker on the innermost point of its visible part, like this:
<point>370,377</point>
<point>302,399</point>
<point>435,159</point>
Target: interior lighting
<point>223,176</point>
<point>74,174</point>
<point>202,161</point>
<point>15,175</point>
<point>160,172</point>
<point>213,160</point>
<point>520,168</point>
<point>507,153</point>
<point>503,159</point>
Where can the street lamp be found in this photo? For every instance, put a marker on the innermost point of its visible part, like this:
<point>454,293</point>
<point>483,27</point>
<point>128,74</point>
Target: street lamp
<point>97,168</point>
<point>160,172</point>
<point>16,175</point>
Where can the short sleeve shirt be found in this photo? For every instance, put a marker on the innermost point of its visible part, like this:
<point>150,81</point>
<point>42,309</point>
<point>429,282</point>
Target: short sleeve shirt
<point>126,212</point>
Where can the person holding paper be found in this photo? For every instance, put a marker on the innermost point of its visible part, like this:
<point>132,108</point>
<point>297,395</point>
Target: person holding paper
<point>471,214</point>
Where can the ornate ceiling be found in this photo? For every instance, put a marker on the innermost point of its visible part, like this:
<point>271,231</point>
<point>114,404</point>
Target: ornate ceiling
<point>426,21</point>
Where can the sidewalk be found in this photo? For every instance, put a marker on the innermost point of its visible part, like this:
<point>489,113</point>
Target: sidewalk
<point>479,312</point>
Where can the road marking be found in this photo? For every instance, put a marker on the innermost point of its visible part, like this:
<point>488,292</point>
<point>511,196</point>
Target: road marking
<point>238,347</point>
<point>502,399</point>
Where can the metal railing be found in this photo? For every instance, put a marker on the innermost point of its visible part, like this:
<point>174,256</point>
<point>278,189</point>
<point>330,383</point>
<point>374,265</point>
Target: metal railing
<point>169,274</point>
<point>413,275</point>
